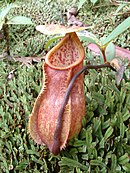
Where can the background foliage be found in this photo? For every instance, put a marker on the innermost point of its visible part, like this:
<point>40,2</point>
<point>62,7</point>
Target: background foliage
<point>103,144</point>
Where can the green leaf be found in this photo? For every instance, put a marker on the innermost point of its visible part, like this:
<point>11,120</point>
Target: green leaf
<point>126,167</point>
<point>120,8</point>
<point>122,129</point>
<point>51,41</point>
<point>81,3</point>
<point>36,160</point>
<point>126,116</point>
<point>97,124</point>
<point>110,51</point>
<point>108,133</point>
<point>117,31</point>
<point>93,1</point>
<point>97,163</point>
<point>32,152</point>
<point>88,138</point>
<point>98,97</point>
<point>4,12</point>
<point>22,165</point>
<point>20,20</point>
<point>113,162</point>
<point>123,159</point>
<point>106,124</point>
<point>88,39</point>
<point>72,163</point>
<point>101,144</point>
<point>78,143</point>
<point>78,170</point>
<point>88,36</point>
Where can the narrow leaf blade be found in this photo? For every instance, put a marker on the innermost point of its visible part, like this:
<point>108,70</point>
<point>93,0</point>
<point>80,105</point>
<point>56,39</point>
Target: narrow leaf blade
<point>88,36</point>
<point>72,163</point>
<point>110,51</point>
<point>20,20</point>
<point>81,3</point>
<point>93,1</point>
<point>118,30</point>
<point>120,8</point>
<point>5,11</point>
<point>51,41</point>
<point>108,133</point>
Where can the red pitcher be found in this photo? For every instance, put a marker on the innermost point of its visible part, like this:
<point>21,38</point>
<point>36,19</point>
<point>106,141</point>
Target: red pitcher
<point>61,63</point>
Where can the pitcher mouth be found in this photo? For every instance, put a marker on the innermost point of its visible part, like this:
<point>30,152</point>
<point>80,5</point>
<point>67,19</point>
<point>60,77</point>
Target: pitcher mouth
<point>66,54</point>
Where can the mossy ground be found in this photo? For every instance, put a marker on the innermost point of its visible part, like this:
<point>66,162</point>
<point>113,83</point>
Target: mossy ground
<point>103,144</point>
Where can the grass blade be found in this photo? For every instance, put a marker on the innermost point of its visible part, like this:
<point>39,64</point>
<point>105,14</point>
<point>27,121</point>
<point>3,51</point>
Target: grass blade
<point>118,30</point>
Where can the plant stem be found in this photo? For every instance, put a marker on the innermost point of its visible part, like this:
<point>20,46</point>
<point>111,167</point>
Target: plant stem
<point>6,35</point>
<point>56,144</point>
<point>104,56</point>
